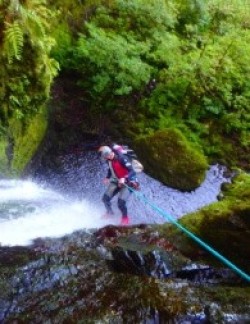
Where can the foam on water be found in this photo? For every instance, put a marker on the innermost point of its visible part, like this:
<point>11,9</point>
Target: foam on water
<point>53,215</point>
<point>24,190</point>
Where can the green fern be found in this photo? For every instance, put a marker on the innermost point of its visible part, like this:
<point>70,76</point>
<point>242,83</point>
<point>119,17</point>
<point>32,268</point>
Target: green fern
<point>13,41</point>
<point>34,24</point>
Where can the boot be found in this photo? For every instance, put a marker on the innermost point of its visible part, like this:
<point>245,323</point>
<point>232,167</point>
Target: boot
<point>125,220</point>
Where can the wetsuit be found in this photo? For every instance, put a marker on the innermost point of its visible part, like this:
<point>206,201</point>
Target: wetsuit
<point>119,167</point>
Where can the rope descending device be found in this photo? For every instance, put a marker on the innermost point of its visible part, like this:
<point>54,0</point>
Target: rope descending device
<point>190,234</point>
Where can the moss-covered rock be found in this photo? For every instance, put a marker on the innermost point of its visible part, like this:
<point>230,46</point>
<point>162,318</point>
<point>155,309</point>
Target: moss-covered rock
<point>169,157</point>
<point>23,141</point>
<point>4,165</point>
<point>224,225</point>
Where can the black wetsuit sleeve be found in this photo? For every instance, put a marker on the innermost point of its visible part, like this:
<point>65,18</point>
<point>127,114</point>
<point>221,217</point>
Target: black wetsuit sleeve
<point>108,176</point>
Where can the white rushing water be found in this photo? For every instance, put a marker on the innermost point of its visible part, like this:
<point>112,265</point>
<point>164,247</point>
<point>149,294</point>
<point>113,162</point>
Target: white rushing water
<point>29,211</point>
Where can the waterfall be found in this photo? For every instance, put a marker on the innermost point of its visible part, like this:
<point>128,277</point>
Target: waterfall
<point>28,211</point>
<point>54,203</point>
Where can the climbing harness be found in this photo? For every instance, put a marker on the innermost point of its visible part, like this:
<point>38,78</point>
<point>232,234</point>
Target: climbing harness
<point>190,234</point>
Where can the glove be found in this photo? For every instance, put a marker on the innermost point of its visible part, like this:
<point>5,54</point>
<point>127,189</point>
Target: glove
<point>134,184</point>
<point>121,182</point>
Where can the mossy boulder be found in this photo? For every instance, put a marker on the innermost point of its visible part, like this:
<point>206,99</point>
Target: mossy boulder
<point>169,157</point>
<point>4,165</point>
<point>23,140</point>
<point>224,225</point>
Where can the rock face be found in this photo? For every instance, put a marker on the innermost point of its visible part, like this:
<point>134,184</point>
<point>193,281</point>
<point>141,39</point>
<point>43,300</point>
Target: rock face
<point>170,158</point>
<point>120,275</point>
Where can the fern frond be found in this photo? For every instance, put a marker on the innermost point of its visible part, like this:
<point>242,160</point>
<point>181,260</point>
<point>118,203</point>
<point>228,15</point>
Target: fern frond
<point>47,69</point>
<point>32,23</point>
<point>13,40</point>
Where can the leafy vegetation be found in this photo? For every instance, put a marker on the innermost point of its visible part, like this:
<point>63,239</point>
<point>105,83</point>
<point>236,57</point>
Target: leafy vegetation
<point>158,64</point>
<point>167,63</point>
<point>26,68</point>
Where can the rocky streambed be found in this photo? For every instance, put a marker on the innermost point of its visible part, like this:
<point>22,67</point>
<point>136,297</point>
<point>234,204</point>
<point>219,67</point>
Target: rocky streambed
<point>116,275</point>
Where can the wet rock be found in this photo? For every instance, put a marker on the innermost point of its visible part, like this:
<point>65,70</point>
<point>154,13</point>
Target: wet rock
<point>93,278</point>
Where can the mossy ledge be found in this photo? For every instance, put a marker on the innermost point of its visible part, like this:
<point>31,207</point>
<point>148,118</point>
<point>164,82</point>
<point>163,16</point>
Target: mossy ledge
<point>224,225</point>
<point>169,157</point>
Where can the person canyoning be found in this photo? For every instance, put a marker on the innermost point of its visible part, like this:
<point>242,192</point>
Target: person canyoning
<point>119,177</point>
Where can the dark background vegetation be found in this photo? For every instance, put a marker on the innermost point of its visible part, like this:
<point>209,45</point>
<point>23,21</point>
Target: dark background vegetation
<point>146,65</point>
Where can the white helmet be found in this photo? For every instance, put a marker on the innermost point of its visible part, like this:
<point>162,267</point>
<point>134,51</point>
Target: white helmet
<point>105,151</point>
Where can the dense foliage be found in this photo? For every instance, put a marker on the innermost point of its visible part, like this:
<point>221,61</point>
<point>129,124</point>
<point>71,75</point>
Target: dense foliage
<point>27,70</point>
<point>183,63</point>
<point>168,62</point>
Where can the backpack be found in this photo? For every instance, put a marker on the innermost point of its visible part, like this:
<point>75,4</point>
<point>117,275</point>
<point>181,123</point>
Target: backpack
<point>130,154</point>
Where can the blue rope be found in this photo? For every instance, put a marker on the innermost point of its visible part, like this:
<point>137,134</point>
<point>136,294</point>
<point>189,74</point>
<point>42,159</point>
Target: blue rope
<point>194,237</point>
